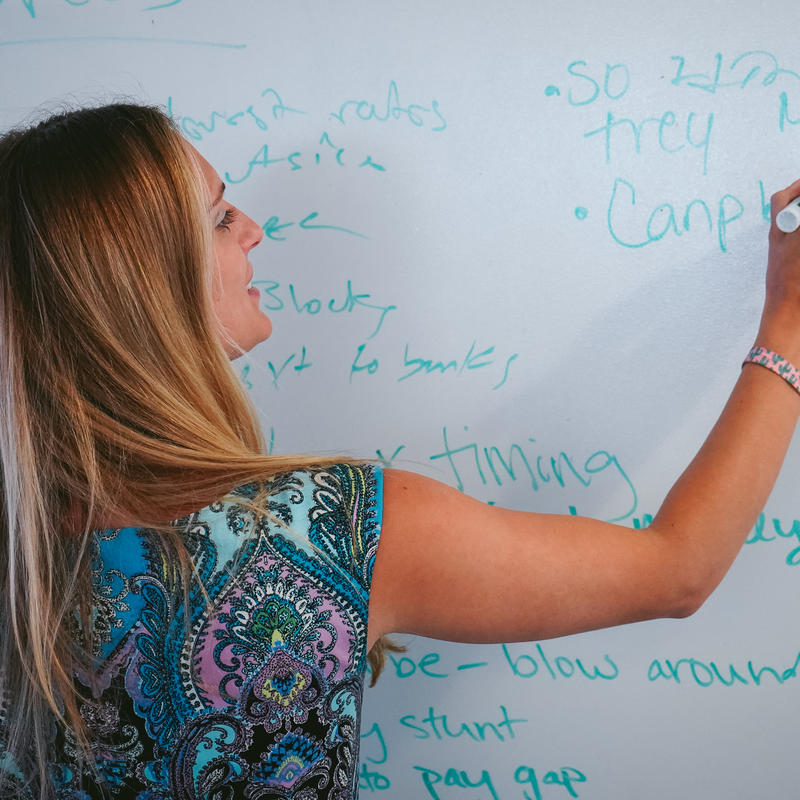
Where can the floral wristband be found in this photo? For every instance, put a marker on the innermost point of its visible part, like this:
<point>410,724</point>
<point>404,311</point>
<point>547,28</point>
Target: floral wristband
<point>778,364</point>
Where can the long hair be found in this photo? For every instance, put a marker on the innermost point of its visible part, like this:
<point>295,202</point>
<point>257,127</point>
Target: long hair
<point>115,391</point>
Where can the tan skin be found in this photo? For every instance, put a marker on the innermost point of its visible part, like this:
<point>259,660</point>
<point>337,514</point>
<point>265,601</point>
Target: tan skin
<point>440,549</point>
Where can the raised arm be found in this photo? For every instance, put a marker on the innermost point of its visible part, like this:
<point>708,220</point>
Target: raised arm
<point>451,567</point>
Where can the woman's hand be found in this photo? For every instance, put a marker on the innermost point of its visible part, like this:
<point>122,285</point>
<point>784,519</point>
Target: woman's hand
<point>780,321</point>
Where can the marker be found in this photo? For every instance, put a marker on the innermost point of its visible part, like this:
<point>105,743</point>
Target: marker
<point>788,220</point>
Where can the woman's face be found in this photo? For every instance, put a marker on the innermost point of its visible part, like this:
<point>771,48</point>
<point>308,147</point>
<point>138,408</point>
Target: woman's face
<point>236,303</point>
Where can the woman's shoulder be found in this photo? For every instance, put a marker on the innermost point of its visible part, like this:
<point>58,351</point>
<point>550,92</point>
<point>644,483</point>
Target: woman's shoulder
<point>317,491</point>
<point>334,509</point>
<point>344,477</point>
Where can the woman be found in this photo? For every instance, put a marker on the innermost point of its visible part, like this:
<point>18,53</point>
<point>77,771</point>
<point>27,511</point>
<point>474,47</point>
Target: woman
<point>223,654</point>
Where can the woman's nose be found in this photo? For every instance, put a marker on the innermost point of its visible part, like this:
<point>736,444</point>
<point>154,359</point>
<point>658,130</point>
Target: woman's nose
<point>252,233</point>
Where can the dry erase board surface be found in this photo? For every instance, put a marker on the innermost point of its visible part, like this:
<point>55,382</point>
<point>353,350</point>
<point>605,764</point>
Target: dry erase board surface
<point>519,247</point>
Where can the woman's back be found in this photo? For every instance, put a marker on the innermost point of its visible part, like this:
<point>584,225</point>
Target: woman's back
<point>247,680</point>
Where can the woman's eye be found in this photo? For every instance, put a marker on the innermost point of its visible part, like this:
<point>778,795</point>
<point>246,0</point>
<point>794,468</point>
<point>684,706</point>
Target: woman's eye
<point>227,218</point>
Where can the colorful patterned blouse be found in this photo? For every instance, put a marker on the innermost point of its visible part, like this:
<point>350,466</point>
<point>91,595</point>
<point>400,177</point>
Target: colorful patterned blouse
<point>255,692</point>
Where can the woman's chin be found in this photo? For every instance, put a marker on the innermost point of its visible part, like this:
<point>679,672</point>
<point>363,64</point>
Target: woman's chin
<point>238,343</point>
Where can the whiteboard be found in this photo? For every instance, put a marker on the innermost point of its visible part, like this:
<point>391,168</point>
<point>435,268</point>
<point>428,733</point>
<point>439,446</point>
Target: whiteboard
<point>519,247</point>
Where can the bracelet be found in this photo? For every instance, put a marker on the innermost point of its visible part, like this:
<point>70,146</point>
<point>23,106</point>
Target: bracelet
<point>776,363</point>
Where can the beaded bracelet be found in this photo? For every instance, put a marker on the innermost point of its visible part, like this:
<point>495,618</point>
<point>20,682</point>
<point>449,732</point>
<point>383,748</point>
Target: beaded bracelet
<point>778,365</point>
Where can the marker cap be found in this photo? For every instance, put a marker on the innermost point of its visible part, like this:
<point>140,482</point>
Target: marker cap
<point>788,220</point>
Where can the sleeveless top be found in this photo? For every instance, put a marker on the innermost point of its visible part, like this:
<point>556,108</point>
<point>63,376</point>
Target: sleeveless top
<point>252,689</point>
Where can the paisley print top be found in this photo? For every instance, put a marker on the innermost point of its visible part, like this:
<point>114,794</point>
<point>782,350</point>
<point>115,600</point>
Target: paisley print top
<point>255,690</point>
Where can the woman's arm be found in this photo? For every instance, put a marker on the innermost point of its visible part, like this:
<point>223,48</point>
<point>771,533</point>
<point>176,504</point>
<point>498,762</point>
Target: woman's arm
<point>451,567</point>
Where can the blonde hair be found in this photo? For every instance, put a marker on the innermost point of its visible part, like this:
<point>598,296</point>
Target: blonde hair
<point>115,392</point>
